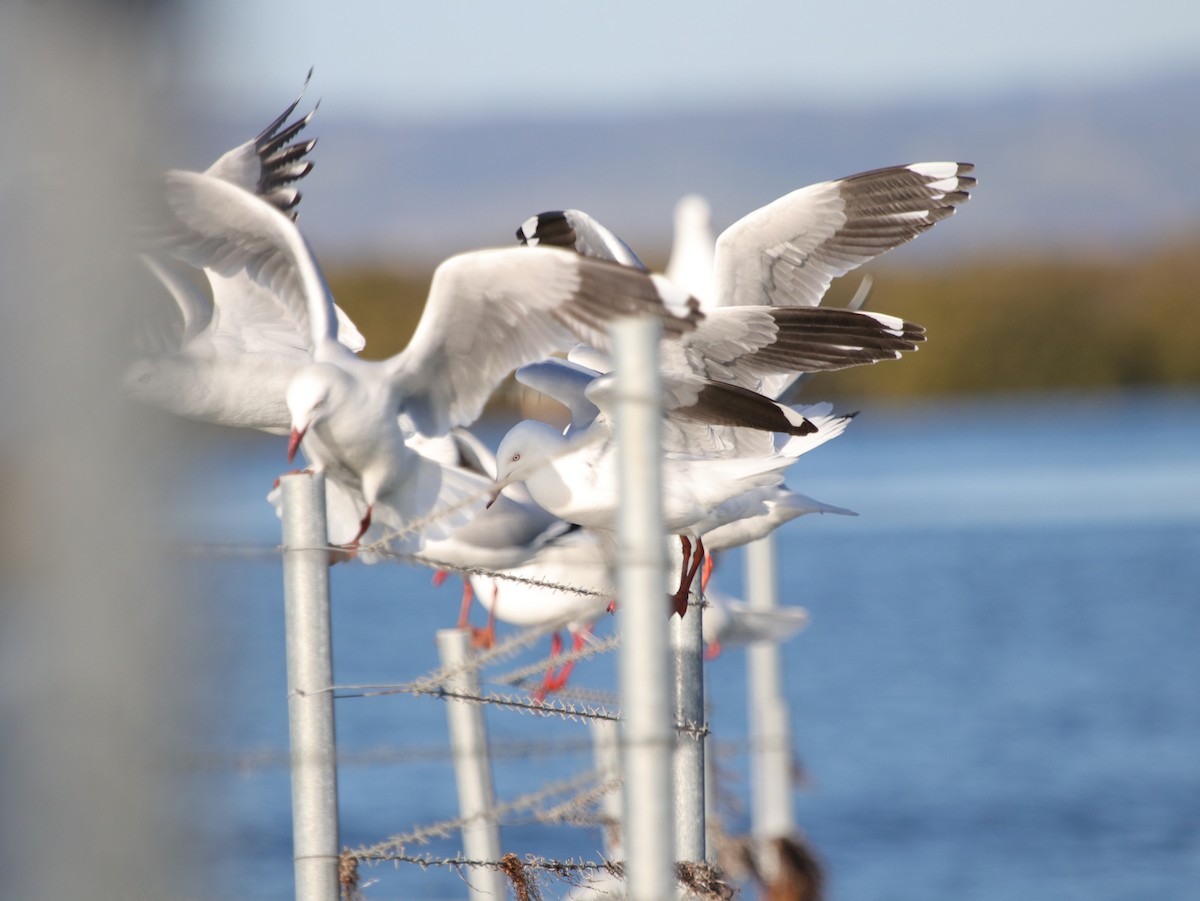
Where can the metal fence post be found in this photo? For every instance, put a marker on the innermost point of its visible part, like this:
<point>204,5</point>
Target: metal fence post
<point>687,645</point>
<point>647,733</point>
<point>472,766</point>
<point>606,752</point>
<point>773,813</point>
<point>316,845</point>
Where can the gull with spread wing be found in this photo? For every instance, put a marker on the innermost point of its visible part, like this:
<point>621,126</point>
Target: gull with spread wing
<point>788,252</point>
<point>229,348</point>
<point>487,312</point>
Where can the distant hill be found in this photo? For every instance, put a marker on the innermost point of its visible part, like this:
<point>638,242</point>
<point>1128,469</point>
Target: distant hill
<point>1058,169</point>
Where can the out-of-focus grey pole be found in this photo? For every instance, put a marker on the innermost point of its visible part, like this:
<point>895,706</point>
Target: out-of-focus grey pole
<point>606,751</point>
<point>772,813</point>
<point>687,646</point>
<point>472,766</point>
<point>648,734</point>
<point>105,689</point>
<point>315,843</point>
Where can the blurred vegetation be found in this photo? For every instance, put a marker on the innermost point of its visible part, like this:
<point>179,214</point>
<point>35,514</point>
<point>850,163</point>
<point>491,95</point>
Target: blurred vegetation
<point>998,326</point>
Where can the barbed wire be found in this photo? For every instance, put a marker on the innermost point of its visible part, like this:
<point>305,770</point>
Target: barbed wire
<point>594,696</point>
<point>592,649</point>
<point>383,755</point>
<point>699,879</point>
<point>499,749</point>
<point>593,783</point>
<point>521,703</point>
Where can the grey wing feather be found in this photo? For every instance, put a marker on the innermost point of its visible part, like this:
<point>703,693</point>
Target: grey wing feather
<point>565,382</point>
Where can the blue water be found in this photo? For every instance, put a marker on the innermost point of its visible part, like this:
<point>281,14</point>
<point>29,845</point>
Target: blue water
<point>997,696</point>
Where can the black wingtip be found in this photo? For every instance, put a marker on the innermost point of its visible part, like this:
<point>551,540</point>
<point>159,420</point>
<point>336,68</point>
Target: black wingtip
<point>549,228</point>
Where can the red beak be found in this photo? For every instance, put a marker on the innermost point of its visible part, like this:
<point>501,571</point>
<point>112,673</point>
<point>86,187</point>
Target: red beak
<point>294,442</point>
<point>493,498</point>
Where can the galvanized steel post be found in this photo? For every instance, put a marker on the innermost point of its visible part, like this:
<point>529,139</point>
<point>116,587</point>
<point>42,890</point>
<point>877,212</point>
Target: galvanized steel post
<point>606,752</point>
<point>772,811</point>
<point>647,730</point>
<point>687,646</point>
<point>472,766</point>
<point>315,841</point>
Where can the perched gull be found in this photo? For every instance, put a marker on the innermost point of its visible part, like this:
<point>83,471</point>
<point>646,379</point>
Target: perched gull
<point>567,584</point>
<point>742,518</point>
<point>719,420</point>
<point>575,477</point>
<point>233,348</point>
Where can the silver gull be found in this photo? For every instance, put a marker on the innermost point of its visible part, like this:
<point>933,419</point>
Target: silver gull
<point>231,348</point>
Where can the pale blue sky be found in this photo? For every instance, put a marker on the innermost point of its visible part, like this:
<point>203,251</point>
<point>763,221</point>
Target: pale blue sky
<point>459,59</point>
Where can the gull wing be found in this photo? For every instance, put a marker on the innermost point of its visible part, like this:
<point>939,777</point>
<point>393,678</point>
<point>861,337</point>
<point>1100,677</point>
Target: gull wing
<point>788,252</point>
<point>566,382</point>
<point>491,311</point>
<point>215,225</point>
<point>270,163</point>
<point>576,230</point>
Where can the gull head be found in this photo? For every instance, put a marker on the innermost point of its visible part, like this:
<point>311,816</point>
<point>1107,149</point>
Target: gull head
<point>308,400</point>
<point>528,446</point>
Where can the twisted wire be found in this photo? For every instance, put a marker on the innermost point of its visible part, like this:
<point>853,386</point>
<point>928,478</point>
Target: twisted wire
<point>528,801</point>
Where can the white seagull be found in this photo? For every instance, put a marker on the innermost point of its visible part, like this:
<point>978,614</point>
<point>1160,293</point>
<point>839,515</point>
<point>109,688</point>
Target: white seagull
<point>487,313</point>
<point>575,477</point>
<point>232,347</point>
<point>568,583</point>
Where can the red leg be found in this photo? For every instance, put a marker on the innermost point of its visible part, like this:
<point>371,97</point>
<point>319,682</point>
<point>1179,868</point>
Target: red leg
<point>680,598</point>
<point>484,639</point>
<point>345,552</point>
<point>697,561</point>
<point>706,573</point>
<point>363,525</point>
<point>687,555</point>
<point>464,611</point>
<point>548,680</point>
<point>569,667</point>
<point>556,682</point>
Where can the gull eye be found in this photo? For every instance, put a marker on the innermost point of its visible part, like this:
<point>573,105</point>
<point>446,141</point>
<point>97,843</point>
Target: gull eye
<point>516,457</point>
<point>143,378</point>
